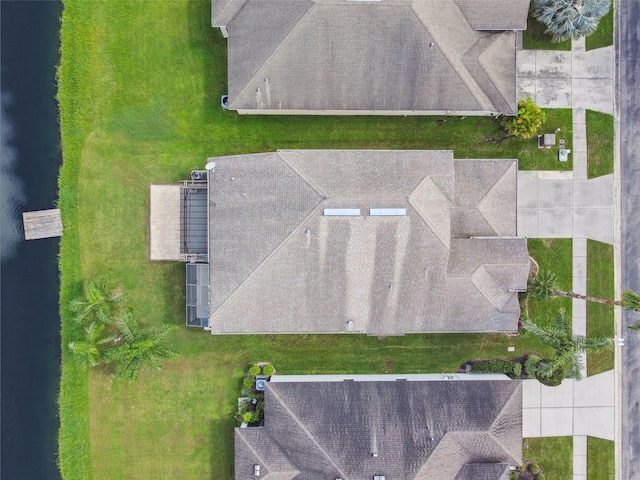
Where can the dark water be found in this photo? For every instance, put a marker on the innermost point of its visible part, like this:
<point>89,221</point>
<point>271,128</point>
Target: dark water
<point>30,325</point>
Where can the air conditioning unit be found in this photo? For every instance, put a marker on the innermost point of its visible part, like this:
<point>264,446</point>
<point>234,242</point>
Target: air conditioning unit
<point>198,174</point>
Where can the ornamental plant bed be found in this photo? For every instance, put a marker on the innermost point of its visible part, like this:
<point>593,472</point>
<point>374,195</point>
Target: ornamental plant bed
<point>251,404</point>
<point>514,368</point>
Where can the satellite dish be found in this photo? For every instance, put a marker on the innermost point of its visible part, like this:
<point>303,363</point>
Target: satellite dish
<point>210,167</point>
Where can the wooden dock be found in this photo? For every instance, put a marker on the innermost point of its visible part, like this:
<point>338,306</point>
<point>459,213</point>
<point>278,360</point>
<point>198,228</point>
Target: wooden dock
<point>42,224</point>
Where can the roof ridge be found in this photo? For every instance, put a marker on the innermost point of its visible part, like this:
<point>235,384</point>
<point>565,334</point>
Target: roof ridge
<point>312,185</point>
<point>295,418</point>
<point>253,450</point>
<point>498,417</point>
<point>424,220</point>
<point>476,51</point>
<point>463,73</point>
<point>484,266</point>
<point>277,248</point>
<point>275,51</point>
<point>489,191</point>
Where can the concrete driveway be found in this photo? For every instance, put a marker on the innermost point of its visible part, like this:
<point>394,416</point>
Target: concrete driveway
<point>563,79</point>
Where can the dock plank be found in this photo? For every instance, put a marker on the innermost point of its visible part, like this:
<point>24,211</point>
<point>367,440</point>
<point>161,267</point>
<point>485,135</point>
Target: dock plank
<point>42,224</point>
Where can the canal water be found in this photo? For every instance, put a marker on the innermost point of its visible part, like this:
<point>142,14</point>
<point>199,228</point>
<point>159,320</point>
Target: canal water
<point>29,320</point>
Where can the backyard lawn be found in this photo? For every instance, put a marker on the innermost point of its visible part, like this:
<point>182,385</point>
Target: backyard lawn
<point>139,90</point>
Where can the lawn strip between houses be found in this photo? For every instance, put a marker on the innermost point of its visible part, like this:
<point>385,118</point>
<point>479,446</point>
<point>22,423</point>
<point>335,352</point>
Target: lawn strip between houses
<point>139,91</point>
<point>600,317</point>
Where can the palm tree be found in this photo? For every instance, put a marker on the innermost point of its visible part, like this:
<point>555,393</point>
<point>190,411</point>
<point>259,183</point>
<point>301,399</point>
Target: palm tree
<point>545,285</point>
<point>526,123</point>
<point>567,346</point>
<point>136,348</point>
<point>89,348</point>
<point>97,303</point>
<point>567,19</point>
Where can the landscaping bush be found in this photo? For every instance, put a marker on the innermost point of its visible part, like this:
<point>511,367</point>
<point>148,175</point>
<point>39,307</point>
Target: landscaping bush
<point>254,370</point>
<point>268,370</point>
<point>247,417</point>
<point>247,384</point>
<point>513,476</point>
<point>493,366</point>
<point>554,379</point>
<point>531,364</point>
<point>534,468</point>
<point>517,369</point>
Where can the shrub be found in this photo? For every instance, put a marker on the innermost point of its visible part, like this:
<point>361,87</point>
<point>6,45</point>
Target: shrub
<point>554,379</point>
<point>254,370</point>
<point>531,364</point>
<point>541,476</point>
<point>517,369</point>
<point>493,366</point>
<point>247,417</point>
<point>268,370</point>
<point>526,123</point>
<point>534,468</point>
<point>247,384</point>
<point>513,476</point>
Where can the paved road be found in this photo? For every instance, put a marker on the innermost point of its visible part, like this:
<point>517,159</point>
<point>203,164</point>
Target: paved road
<point>628,89</point>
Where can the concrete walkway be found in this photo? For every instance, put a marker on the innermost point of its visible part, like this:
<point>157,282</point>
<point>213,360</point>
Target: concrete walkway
<point>568,205</point>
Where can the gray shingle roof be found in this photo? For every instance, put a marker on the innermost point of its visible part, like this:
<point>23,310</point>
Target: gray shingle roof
<point>278,265</point>
<point>394,55</point>
<point>418,429</point>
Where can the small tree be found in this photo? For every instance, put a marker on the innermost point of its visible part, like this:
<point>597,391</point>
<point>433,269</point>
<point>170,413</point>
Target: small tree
<point>89,347</point>
<point>567,346</point>
<point>137,348</point>
<point>545,285</point>
<point>567,19</point>
<point>526,123</point>
<point>97,303</point>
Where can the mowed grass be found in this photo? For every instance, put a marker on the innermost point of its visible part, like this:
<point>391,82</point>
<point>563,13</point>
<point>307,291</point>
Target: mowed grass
<point>553,454</point>
<point>535,38</point>
<point>603,36</point>
<point>554,255</point>
<point>600,317</point>
<point>139,90</point>
<point>600,459</point>
<point>600,143</point>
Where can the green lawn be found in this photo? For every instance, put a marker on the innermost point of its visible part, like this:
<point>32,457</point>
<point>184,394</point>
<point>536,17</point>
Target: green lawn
<point>554,255</point>
<point>139,90</point>
<point>603,36</point>
<point>553,454</point>
<point>600,321</point>
<point>535,38</point>
<point>600,459</point>
<point>600,138</point>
